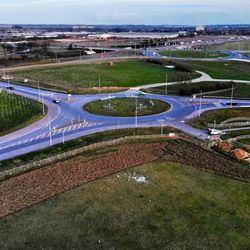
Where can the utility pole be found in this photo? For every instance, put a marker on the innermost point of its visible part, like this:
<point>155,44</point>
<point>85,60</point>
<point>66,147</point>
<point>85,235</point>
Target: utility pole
<point>99,83</point>
<point>136,113</point>
<point>38,87</point>
<point>232,95</point>
<point>162,128</point>
<point>9,84</point>
<point>200,103</point>
<point>43,104</point>
<point>63,139</point>
<point>50,134</point>
<point>166,89</point>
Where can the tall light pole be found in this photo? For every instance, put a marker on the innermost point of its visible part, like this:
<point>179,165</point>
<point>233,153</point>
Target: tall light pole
<point>200,103</point>
<point>38,87</point>
<point>232,95</point>
<point>63,139</point>
<point>99,83</point>
<point>166,89</point>
<point>162,128</point>
<point>50,134</point>
<point>43,104</point>
<point>136,113</point>
<point>9,84</point>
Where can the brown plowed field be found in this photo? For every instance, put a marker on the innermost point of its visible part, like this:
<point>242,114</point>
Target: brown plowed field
<point>33,187</point>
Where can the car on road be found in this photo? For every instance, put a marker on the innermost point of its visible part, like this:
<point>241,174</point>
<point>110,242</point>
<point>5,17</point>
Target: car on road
<point>10,88</point>
<point>56,101</point>
<point>231,103</point>
<point>212,131</point>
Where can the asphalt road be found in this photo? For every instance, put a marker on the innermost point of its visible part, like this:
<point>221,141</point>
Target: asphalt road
<point>67,120</point>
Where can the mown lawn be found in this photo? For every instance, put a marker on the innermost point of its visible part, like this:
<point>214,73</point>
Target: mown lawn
<point>126,107</point>
<point>82,78</point>
<point>218,116</point>
<point>17,112</point>
<point>180,208</point>
<point>241,90</point>
<point>188,89</point>
<point>241,45</point>
<point>191,53</point>
<point>222,70</point>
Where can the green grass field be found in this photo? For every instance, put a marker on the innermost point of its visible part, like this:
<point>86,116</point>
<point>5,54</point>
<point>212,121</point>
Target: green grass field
<point>218,116</point>
<point>126,107</point>
<point>234,134</point>
<point>17,112</point>
<point>245,141</point>
<point>220,89</point>
<point>188,89</point>
<point>191,53</point>
<point>241,90</point>
<point>242,45</point>
<point>81,78</point>
<point>180,208</point>
<point>222,70</point>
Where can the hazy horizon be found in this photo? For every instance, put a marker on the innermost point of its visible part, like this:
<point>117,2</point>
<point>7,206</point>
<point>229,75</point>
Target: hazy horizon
<point>118,12</point>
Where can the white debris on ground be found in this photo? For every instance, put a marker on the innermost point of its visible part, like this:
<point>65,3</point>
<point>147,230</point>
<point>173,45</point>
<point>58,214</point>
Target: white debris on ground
<point>139,178</point>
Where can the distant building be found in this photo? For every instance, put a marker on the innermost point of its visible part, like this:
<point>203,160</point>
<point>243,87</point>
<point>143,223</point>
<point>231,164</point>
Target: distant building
<point>200,28</point>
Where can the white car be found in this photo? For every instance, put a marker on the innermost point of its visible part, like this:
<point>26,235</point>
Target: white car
<point>212,131</point>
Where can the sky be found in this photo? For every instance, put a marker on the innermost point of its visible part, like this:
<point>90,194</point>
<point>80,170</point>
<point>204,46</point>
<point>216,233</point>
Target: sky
<point>189,12</point>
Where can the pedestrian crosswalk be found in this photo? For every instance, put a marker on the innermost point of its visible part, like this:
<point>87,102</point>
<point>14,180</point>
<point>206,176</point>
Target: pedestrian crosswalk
<point>52,133</point>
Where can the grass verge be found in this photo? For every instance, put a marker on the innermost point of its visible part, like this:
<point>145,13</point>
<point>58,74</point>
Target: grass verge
<point>218,116</point>
<point>114,213</point>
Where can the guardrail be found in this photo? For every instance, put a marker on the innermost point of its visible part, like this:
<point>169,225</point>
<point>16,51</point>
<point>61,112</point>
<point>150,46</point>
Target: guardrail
<point>37,164</point>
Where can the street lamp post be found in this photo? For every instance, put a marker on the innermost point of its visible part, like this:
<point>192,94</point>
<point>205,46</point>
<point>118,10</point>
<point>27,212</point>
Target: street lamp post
<point>63,139</point>
<point>136,113</point>
<point>166,90</point>
<point>232,95</point>
<point>99,83</point>
<point>161,128</point>
<point>43,104</point>
<point>200,103</point>
<point>39,94</point>
<point>50,134</point>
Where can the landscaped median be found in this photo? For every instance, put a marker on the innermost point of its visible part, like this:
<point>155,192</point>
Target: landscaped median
<point>127,107</point>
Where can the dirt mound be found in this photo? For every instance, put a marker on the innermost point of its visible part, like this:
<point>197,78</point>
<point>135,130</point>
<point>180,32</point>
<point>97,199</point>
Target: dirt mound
<point>240,154</point>
<point>225,146</point>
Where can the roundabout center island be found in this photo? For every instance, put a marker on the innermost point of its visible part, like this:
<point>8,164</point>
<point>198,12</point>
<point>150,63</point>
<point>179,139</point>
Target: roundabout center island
<point>127,107</point>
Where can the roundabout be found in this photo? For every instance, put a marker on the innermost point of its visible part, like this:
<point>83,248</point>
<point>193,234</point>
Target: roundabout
<point>127,107</point>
